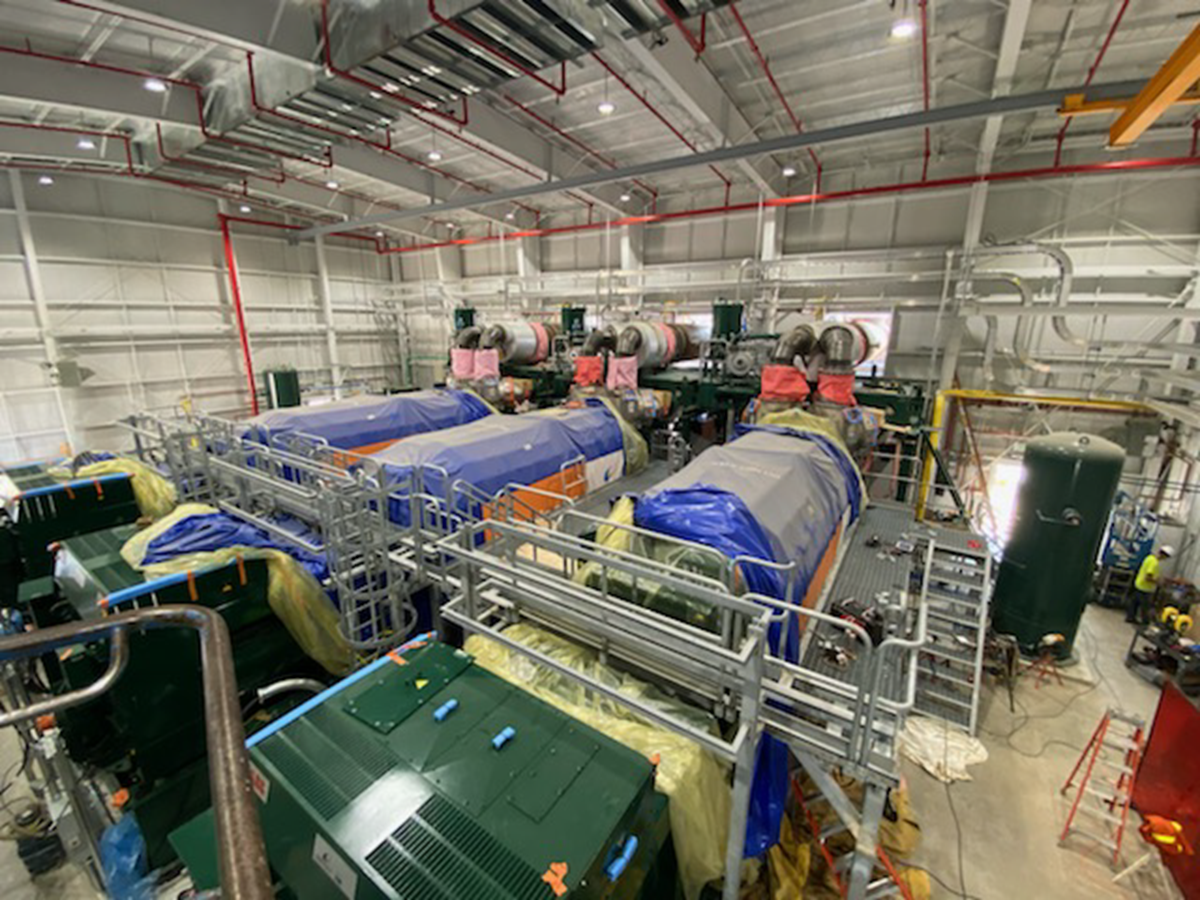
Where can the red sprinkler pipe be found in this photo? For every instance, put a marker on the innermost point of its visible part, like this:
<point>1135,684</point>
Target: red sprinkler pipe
<point>696,43</point>
<point>559,89</point>
<point>235,289</point>
<point>378,88</point>
<point>1112,30</point>
<point>762,62</point>
<point>858,193</point>
<point>658,115</point>
<point>925,92</point>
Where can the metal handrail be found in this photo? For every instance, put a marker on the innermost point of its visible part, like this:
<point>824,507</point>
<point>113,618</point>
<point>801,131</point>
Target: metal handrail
<point>118,659</point>
<point>241,854</point>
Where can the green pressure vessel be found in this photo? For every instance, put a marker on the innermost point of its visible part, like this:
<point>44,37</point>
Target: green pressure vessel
<point>1065,497</point>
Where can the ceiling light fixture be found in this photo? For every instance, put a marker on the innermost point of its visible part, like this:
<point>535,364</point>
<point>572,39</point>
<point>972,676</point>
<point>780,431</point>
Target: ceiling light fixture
<point>390,88</point>
<point>244,209</point>
<point>510,215</point>
<point>606,107</point>
<point>378,234</point>
<point>904,25</point>
<point>434,155</point>
<point>789,171</point>
<point>85,143</point>
<point>625,198</point>
<point>155,85</point>
<point>375,95</point>
<point>332,185</point>
<point>45,179</point>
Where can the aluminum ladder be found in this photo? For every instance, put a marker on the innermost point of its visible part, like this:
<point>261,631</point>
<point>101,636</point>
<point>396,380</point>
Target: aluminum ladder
<point>1112,756</point>
<point>957,588</point>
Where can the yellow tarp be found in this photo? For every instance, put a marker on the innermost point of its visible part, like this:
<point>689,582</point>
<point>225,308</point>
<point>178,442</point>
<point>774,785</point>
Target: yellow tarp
<point>292,593</point>
<point>694,780</point>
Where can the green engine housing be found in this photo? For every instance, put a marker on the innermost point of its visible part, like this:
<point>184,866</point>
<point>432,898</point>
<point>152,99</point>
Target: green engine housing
<point>376,791</point>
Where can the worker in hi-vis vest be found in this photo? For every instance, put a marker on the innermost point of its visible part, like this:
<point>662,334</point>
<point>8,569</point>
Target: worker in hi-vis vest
<point>1139,604</point>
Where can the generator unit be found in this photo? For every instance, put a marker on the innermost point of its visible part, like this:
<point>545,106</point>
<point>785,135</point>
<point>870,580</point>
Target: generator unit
<point>425,775</point>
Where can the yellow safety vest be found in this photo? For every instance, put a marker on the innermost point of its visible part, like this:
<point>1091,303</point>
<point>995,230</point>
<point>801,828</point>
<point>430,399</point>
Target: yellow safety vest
<point>1147,576</point>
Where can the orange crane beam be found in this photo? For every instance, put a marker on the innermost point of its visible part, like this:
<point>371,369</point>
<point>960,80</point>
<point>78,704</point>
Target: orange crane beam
<point>1078,105</point>
<point>1177,75</point>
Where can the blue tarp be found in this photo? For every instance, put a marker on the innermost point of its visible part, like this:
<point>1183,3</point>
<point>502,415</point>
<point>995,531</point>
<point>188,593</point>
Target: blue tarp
<point>365,421</point>
<point>206,532</point>
<point>778,495</point>
<point>492,452</point>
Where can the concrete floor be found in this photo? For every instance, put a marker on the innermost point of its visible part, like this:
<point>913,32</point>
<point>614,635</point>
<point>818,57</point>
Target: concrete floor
<point>1009,815</point>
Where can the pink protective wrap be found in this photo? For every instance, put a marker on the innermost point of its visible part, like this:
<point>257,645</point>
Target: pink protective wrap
<point>622,372</point>
<point>783,383</point>
<point>543,342</point>
<point>837,388</point>
<point>487,364</point>
<point>462,363</point>
<point>668,334</point>
<point>589,370</point>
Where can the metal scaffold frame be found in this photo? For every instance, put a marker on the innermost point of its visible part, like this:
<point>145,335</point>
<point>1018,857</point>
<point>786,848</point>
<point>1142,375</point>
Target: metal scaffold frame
<point>497,560</point>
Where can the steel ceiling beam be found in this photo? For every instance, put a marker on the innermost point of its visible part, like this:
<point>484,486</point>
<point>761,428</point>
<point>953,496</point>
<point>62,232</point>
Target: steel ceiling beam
<point>854,131</point>
<point>690,84</point>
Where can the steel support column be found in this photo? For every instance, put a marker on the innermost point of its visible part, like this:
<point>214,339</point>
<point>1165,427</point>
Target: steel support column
<point>37,293</point>
<point>326,296</point>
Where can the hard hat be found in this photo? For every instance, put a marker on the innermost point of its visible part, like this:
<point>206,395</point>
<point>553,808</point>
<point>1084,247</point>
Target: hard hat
<point>1167,550</point>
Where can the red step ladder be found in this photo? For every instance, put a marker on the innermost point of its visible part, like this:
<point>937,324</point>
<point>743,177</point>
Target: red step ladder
<point>1112,756</point>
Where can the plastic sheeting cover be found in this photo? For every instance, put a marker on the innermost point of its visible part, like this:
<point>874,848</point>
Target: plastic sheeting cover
<point>359,422</point>
<point>196,536</point>
<point>774,493</point>
<point>491,453</point>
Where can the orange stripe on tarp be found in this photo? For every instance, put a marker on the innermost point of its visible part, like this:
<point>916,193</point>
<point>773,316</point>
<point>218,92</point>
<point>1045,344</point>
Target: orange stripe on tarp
<point>813,594</point>
<point>571,482</point>
<point>241,564</point>
<point>191,583</point>
<point>99,488</point>
<point>70,493</point>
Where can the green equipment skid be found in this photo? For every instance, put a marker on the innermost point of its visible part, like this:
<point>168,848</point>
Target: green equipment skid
<point>149,729</point>
<point>425,775</point>
<point>47,509</point>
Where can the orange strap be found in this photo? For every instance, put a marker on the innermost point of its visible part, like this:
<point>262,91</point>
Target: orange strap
<point>554,876</point>
<point>99,488</point>
<point>191,581</point>
<point>241,564</point>
<point>395,657</point>
<point>70,493</point>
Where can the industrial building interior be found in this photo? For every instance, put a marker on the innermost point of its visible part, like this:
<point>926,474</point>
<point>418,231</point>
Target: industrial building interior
<point>625,449</point>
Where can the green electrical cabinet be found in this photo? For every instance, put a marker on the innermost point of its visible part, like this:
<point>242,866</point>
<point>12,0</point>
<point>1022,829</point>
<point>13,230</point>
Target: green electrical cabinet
<point>1065,498</point>
<point>424,775</point>
<point>46,509</point>
<point>149,729</point>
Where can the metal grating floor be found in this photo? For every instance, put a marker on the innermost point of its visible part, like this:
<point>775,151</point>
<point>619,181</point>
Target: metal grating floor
<point>866,572</point>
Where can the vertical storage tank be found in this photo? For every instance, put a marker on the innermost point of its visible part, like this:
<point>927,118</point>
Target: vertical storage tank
<point>1062,510</point>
